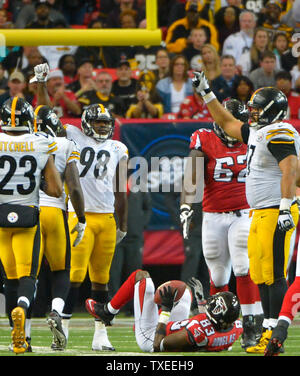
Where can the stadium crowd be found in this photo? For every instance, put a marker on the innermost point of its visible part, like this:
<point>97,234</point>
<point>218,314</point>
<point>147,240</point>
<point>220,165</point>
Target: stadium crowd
<point>240,45</point>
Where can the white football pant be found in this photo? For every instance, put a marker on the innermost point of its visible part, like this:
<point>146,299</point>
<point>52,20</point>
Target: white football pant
<point>146,312</point>
<point>224,242</point>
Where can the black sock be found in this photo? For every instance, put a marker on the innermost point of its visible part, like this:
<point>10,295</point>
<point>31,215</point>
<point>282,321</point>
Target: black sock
<point>277,292</point>
<point>27,288</point>
<point>100,296</point>
<point>60,284</point>
<point>265,299</point>
<point>71,300</point>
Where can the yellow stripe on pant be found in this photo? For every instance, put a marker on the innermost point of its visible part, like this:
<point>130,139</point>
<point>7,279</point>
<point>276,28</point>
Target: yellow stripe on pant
<point>95,251</point>
<point>19,251</point>
<point>268,247</point>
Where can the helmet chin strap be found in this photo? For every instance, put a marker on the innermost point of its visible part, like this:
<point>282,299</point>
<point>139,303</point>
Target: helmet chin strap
<point>99,137</point>
<point>51,131</point>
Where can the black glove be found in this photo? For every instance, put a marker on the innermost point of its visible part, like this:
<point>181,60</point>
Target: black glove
<point>167,296</point>
<point>197,289</point>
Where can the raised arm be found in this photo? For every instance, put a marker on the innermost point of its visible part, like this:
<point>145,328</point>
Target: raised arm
<point>221,116</point>
<point>41,72</point>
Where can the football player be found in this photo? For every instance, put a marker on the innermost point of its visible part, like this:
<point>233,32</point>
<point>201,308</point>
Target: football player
<point>289,308</point>
<point>103,176</point>
<point>226,222</point>
<point>25,158</point>
<point>54,222</point>
<point>170,328</point>
<point>273,149</point>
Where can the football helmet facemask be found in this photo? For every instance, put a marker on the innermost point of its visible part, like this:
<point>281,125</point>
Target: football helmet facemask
<point>240,112</point>
<point>222,309</point>
<point>46,120</point>
<point>17,115</point>
<point>267,105</point>
<point>92,116</point>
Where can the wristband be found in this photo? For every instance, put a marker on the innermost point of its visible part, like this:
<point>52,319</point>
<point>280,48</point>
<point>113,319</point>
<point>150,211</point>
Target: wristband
<point>285,203</point>
<point>164,317</point>
<point>161,345</point>
<point>185,207</point>
<point>208,95</point>
<point>81,219</point>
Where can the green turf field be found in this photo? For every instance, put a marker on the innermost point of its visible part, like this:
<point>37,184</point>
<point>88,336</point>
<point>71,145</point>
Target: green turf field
<point>121,336</point>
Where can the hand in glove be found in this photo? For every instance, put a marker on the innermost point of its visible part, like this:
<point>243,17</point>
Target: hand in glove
<point>186,214</point>
<point>197,289</point>
<point>285,220</point>
<point>41,72</point>
<point>200,82</point>
<point>120,235</point>
<point>79,228</point>
<point>167,296</point>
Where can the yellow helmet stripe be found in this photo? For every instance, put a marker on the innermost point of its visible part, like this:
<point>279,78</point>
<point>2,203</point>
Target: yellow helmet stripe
<point>256,91</point>
<point>36,111</point>
<point>13,111</point>
<point>102,107</point>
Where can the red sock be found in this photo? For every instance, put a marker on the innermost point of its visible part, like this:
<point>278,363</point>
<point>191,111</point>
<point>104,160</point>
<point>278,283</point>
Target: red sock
<point>246,290</point>
<point>291,301</point>
<point>125,292</point>
<point>213,289</point>
<point>257,294</point>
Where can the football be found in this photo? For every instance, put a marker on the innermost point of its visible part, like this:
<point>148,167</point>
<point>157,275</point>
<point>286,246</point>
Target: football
<point>179,285</point>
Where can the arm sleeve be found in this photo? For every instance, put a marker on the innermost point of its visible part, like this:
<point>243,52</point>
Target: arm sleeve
<point>245,132</point>
<point>281,148</point>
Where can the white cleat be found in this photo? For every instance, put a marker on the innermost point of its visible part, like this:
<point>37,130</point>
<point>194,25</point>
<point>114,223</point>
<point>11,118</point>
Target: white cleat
<point>101,341</point>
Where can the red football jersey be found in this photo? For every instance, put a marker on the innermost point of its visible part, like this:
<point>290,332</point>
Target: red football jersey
<point>202,334</point>
<point>225,172</point>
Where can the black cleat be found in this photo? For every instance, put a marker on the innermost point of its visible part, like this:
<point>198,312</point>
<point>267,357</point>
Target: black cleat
<point>249,335</point>
<point>258,319</point>
<point>275,345</point>
<point>99,311</point>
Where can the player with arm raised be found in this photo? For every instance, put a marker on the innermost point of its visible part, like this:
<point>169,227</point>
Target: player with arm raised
<point>272,155</point>
<point>54,222</point>
<point>226,222</point>
<point>25,158</point>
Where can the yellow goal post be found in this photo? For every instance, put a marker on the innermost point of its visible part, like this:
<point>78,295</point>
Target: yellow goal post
<point>152,35</point>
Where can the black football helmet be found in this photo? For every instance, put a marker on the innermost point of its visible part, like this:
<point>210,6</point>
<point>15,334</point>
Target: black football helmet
<point>223,309</point>
<point>240,112</point>
<point>270,105</point>
<point>97,113</point>
<point>17,115</point>
<point>46,120</point>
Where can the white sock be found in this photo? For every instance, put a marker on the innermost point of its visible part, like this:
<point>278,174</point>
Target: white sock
<point>247,309</point>
<point>111,309</point>
<point>58,305</point>
<point>65,325</point>
<point>265,324</point>
<point>99,325</point>
<point>258,308</point>
<point>24,300</point>
<point>272,323</point>
<point>28,328</point>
